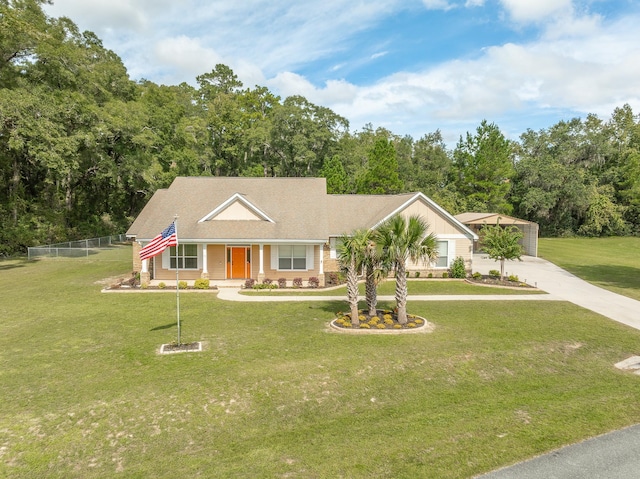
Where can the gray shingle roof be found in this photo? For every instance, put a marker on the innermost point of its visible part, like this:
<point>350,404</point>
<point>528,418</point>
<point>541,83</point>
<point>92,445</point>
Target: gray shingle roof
<point>300,208</point>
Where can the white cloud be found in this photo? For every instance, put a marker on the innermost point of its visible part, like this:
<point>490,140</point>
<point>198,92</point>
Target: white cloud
<point>437,4</point>
<point>474,3</point>
<point>535,10</point>
<point>378,55</point>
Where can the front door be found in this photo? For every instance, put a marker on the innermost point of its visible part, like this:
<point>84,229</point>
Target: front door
<point>238,262</point>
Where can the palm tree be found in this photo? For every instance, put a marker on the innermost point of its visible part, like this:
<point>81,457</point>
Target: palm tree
<point>376,269</point>
<point>351,255</point>
<point>404,239</point>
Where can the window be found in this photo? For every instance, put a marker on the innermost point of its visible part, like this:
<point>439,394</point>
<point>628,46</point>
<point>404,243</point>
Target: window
<point>292,257</point>
<point>187,257</point>
<point>443,254</point>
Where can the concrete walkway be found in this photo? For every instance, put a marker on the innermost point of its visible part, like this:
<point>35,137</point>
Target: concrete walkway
<point>233,294</point>
<point>562,284</point>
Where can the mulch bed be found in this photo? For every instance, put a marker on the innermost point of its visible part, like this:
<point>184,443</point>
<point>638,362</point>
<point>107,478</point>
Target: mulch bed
<point>493,281</point>
<point>382,320</point>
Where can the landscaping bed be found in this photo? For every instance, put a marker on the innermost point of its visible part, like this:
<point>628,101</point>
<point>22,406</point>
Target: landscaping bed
<point>383,320</point>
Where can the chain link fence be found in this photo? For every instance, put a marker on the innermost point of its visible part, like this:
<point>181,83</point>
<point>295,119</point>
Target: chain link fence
<point>75,249</point>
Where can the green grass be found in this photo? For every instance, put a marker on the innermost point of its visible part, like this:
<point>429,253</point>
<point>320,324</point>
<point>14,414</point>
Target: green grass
<point>611,263</point>
<point>274,394</point>
<point>430,287</point>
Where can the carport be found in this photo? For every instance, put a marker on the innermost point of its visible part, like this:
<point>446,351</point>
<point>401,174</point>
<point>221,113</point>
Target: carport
<point>475,222</point>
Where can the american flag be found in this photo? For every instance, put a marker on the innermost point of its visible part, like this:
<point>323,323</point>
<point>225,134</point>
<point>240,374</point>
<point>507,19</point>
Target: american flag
<point>157,245</point>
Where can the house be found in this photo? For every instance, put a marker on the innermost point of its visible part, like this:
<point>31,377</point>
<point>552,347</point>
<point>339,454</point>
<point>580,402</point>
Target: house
<point>529,241</point>
<point>237,228</point>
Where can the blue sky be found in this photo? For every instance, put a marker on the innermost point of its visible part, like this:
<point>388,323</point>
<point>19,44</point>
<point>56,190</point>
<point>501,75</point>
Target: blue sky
<point>412,66</point>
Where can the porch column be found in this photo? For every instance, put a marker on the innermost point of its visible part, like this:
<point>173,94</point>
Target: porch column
<point>261,270</point>
<point>145,277</point>
<point>205,271</point>
<point>321,271</point>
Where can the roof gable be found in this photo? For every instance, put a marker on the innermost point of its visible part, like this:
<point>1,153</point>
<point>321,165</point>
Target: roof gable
<point>236,208</point>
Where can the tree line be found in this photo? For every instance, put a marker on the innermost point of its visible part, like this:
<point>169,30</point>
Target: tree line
<point>83,147</point>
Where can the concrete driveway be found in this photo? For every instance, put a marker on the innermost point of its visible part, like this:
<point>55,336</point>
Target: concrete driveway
<point>562,284</point>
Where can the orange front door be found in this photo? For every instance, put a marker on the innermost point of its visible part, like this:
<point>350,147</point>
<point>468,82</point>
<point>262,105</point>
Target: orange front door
<point>238,262</point>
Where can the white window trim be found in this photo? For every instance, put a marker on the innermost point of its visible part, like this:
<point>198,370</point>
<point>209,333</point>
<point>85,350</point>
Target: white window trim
<point>451,248</point>
<point>166,263</point>
<point>275,257</point>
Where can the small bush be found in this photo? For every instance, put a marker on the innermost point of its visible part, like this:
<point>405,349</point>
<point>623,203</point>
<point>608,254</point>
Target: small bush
<point>381,326</point>
<point>430,275</point>
<point>162,285</point>
<point>297,282</point>
<point>514,278</point>
<point>411,325</point>
<point>417,274</point>
<point>314,282</point>
<point>265,286</point>
<point>249,283</point>
<point>397,326</point>
<point>445,275</point>
<point>494,273</point>
<point>201,283</point>
<point>267,281</point>
<point>282,283</point>
<point>458,269</point>
<point>476,275</point>
<point>144,285</point>
<point>182,284</point>
<point>364,326</point>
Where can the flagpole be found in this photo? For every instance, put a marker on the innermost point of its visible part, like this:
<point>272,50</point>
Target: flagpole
<point>175,223</point>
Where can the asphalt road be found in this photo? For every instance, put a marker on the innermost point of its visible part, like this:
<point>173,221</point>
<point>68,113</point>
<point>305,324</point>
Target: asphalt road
<point>612,456</point>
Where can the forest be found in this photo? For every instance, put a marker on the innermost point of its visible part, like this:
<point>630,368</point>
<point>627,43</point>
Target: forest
<point>83,146</point>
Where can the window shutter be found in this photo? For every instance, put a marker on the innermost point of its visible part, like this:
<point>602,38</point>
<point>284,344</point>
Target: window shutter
<point>310,250</point>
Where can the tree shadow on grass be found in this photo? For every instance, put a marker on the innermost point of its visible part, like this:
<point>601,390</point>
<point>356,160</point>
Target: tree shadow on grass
<point>13,264</point>
<point>624,277</point>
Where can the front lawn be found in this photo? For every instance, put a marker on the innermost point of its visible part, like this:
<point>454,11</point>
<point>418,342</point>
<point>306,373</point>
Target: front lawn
<point>275,394</point>
<point>611,263</point>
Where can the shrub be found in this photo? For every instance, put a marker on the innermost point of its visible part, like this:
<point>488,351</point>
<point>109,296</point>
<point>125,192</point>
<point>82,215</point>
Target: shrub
<point>201,283</point>
<point>265,286</point>
<point>282,282</point>
<point>381,326</point>
<point>397,326</point>
<point>411,325</point>
<point>445,275</point>
<point>162,285</point>
<point>418,321</point>
<point>334,278</point>
<point>182,284</point>
<point>314,282</point>
<point>417,274</point>
<point>476,275</point>
<point>365,326</point>
<point>494,273</point>
<point>430,275</point>
<point>458,269</point>
<point>248,284</point>
<point>267,281</point>
<point>514,278</point>
<point>297,282</point>
<point>144,285</point>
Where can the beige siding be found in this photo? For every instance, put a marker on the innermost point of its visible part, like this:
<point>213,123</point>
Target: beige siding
<point>216,261</point>
<point>236,211</point>
<point>273,273</point>
<point>437,223</point>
